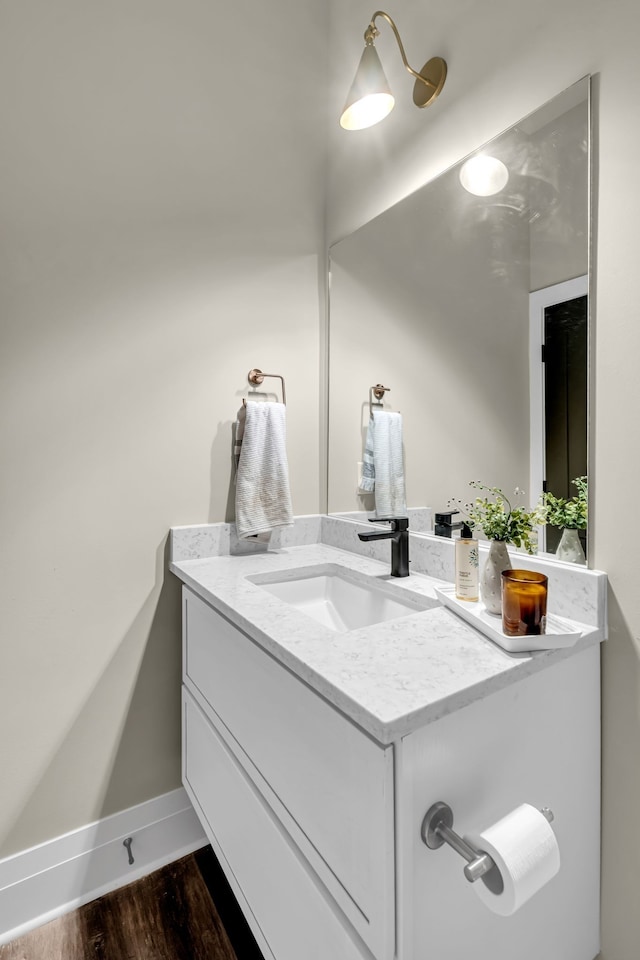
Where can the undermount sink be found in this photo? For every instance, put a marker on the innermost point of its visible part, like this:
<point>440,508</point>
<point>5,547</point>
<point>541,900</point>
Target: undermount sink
<point>342,599</point>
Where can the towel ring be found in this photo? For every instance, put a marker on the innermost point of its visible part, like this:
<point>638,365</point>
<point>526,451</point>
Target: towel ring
<point>378,392</point>
<point>256,377</point>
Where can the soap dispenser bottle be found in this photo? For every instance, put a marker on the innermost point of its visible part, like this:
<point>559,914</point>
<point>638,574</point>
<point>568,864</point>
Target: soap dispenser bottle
<point>466,565</point>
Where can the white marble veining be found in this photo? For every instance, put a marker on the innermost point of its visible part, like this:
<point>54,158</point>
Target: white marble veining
<point>200,540</point>
<point>390,678</point>
<point>420,518</point>
<point>220,539</point>
<point>305,530</point>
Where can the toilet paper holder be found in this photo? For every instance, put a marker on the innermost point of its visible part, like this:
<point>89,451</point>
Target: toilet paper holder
<point>436,830</point>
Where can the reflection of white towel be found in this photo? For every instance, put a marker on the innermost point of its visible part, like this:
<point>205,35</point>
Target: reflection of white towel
<point>263,500</point>
<point>382,467</point>
<point>368,479</point>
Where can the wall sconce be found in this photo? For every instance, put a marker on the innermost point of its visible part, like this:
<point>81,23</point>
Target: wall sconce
<point>370,99</point>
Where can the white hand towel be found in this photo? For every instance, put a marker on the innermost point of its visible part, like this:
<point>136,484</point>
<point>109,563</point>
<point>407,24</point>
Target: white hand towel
<point>263,500</point>
<point>368,478</point>
<point>382,465</point>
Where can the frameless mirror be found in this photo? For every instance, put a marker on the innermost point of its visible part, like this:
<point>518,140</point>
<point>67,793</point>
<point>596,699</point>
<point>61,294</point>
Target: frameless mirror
<point>447,299</point>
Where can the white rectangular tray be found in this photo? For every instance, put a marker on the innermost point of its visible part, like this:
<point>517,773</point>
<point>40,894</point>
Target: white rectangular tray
<point>560,632</point>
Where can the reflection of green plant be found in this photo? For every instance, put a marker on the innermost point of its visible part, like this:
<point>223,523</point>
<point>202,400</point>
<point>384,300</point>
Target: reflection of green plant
<point>568,513</point>
<point>499,520</point>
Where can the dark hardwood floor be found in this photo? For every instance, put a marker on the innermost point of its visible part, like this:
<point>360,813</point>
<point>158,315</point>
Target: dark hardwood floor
<point>184,911</point>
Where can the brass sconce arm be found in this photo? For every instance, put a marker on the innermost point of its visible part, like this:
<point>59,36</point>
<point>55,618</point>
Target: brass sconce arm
<point>372,32</point>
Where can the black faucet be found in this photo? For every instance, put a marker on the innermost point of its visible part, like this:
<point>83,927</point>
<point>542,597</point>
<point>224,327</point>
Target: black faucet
<point>399,534</point>
<point>444,525</point>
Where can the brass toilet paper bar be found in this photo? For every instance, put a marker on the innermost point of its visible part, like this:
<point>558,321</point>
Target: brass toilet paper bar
<point>436,830</point>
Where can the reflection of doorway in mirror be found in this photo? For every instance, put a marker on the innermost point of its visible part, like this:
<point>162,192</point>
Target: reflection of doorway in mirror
<point>558,392</point>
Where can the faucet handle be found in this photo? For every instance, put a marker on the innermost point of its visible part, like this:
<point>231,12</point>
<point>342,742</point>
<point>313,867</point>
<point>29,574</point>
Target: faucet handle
<point>399,523</point>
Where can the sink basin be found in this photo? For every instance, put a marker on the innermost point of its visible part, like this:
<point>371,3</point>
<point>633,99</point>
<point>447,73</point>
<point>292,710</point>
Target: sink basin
<point>342,599</point>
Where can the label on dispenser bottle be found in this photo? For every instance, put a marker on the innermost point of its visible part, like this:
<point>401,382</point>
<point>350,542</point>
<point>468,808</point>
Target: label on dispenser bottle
<point>466,569</point>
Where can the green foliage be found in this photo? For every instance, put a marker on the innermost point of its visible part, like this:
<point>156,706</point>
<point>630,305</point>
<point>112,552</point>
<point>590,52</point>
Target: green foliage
<point>569,513</point>
<point>500,520</point>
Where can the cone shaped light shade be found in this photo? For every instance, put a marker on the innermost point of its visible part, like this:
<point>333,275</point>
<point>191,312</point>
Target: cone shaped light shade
<point>369,99</point>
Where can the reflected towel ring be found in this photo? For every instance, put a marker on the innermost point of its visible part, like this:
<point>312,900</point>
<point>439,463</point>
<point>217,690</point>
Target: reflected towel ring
<point>378,392</point>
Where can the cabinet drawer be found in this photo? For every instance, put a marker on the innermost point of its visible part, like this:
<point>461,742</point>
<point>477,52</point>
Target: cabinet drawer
<point>333,785</point>
<point>287,910</point>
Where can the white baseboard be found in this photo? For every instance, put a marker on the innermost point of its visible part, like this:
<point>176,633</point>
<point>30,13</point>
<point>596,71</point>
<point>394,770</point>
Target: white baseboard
<point>46,881</point>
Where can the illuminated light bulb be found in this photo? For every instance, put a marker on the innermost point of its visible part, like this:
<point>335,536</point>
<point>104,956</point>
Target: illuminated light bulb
<point>484,176</point>
<point>365,112</point>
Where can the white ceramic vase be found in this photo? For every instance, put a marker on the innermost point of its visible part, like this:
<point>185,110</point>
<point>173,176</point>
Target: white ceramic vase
<point>570,547</point>
<point>491,577</point>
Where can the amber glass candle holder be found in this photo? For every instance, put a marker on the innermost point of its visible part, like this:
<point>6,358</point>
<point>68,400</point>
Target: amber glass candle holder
<point>524,603</point>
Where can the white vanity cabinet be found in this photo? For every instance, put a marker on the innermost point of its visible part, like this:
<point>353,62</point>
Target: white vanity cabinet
<point>313,801</point>
<point>296,800</point>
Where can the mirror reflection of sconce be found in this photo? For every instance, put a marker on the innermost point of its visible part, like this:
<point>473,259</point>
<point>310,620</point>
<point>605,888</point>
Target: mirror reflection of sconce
<point>483,175</point>
<point>526,181</point>
<point>370,98</point>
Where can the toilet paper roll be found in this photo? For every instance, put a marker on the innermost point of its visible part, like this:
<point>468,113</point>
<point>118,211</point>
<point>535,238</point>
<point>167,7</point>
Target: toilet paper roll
<point>526,855</point>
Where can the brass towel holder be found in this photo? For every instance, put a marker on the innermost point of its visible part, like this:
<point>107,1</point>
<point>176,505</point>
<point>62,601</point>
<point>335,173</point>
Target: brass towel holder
<point>378,392</point>
<point>256,377</point>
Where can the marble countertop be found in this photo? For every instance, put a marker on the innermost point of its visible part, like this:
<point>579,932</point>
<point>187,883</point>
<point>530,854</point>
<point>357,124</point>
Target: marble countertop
<point>390,678</point>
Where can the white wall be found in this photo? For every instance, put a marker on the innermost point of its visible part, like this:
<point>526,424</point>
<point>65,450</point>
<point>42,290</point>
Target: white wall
<point>504,60</point>
<point>161,231</point>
